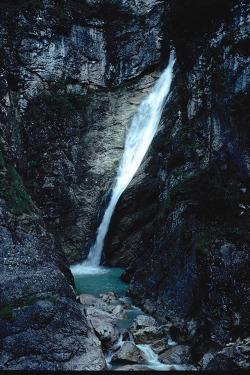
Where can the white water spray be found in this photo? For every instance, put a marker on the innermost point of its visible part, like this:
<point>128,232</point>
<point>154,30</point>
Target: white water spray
<point>140,134</point>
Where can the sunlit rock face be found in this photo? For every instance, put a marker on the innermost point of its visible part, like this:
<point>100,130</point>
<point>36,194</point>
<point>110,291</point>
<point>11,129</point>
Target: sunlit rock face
<point>59,62</point>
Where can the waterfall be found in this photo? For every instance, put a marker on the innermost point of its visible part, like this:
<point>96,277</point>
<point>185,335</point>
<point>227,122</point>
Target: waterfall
<point>140,134</point>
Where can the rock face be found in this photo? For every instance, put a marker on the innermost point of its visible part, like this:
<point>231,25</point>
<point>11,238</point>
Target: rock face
<point>235,356</point>
<point>188,232</point>
<point>64,107</point>
<point>64,70</point>
<point>42,326</point>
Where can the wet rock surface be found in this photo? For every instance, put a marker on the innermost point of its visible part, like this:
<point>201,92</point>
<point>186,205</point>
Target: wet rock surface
<point>121,346</point>
<point>176,355</point>
<point>133,368</point>
<point>129,353</point>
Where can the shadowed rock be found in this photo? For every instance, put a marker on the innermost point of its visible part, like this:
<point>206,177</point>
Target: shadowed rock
<point>177,355</point>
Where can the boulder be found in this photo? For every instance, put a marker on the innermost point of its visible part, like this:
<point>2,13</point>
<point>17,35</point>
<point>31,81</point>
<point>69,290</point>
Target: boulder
<point>159,346</point>
<point>100,314</point>
<point>148,334</point>
<point>235,356</point>
<point>142,321</point>
<point>108,297</point>
<point>133,368</point>
<point>124,334</point>
<point>119,312</point>
<point>129,353</point>
<point>177,355</point>
<point>105,332</point>
<point>89,300</point>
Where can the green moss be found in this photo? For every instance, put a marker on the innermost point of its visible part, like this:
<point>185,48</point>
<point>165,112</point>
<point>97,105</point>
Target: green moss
<point>14,193</point>
<point>27,287</point>
<point>58,12</point>
<point>51,298</point>
<point>202,239</point>
<point>6,310</point>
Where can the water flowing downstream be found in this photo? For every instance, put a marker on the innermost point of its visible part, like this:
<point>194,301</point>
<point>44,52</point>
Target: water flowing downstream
<point>140,134</point>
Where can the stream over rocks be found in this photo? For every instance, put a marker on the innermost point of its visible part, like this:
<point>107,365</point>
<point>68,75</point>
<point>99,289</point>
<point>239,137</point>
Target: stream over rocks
<point>130,339</point>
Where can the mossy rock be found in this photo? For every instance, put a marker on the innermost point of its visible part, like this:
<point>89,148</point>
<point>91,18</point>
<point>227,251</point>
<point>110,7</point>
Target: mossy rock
<point>14,193</point>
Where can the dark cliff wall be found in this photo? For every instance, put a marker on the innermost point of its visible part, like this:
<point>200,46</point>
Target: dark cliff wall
<point>183,222</point>
<point>71,76</point>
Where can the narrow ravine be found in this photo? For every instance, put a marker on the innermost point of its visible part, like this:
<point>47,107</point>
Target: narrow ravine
<point>119,334</point>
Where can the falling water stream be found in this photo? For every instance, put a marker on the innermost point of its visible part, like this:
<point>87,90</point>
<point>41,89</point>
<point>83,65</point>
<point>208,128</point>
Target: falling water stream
<point>89,276</point>
<point>140,134</point>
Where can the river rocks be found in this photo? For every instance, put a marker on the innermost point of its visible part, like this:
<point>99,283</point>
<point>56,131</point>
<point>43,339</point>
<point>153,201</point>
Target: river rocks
<point>108,297</point>
<point>133,368</point>
<point>89,300</point>
<point>159,346</point>
<point>106,317</point>
<point>180,354</point>
<point>142,321</point>
<point>125,334</point>
<point>148,334</point>
<point>235,356</point>
<point>101,318</point>
<point>105,331</point>
<point>119,312</point>
<point>129,353</point>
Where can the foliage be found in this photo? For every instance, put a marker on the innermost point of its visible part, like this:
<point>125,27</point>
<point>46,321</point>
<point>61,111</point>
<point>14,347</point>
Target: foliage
<point>58,12</point>
<point>6,309</point>
<point>13,191</point>
<point>56,103</point>
<point>201,240</point>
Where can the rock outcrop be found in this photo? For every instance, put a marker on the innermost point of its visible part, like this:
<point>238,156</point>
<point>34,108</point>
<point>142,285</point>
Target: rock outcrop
<point>64,108</point>
<point>184,216</point>
<point>42,325</point>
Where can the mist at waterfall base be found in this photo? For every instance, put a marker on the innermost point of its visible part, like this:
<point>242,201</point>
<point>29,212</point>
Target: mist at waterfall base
<point>140,134</point>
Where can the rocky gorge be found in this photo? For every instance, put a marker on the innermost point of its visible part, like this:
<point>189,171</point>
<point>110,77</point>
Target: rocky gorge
<point>72,74</point>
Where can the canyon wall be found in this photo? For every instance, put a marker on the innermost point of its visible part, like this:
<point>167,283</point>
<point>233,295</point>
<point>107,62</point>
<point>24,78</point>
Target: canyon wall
<point>184,220</point>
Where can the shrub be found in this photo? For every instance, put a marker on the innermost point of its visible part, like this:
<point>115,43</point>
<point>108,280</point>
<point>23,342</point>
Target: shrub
<point>14,193</point>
